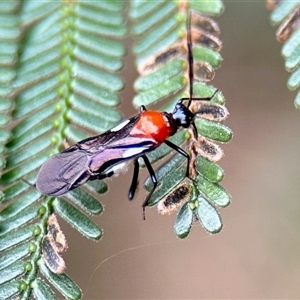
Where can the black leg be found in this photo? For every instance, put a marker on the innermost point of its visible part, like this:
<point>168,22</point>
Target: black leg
<point>142,108</point>
<point>182,152</point>
<point>134,181</point>
<point>154,181</point>
<point>190,60</point>
<point>28,183</point>
<point>196,98</point>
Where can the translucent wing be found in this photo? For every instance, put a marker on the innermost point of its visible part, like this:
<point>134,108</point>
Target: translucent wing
<point>93,158</point>
<point>63,172</point>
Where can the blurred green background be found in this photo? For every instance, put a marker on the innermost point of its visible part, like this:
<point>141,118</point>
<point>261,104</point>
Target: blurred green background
<point>257,254</point>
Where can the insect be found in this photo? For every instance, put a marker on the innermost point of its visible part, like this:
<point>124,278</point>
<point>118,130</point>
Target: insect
<point>102,156</point>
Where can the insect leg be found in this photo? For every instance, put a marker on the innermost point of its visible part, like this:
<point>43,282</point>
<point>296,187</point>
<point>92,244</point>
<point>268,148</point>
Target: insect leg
<point>182,152</point>
<point>28,183</point>
<point>154,181</point>
<point>201,98</point>
<point>134,181</point>
<point>143,108</point>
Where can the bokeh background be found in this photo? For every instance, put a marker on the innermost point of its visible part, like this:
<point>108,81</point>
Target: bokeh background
<point>257,254</point>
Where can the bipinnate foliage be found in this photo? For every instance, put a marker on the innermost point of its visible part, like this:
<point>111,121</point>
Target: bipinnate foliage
<point>161,51</point>
<point>59,63</point>
<point>59,82</point>
<point>286,15</point>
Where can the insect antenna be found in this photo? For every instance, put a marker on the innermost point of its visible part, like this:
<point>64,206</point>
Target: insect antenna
<point>190,59</point>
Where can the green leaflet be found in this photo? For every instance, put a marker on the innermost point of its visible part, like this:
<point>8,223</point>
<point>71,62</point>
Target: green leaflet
<point>208,216</point>
<point>106,5</point>
<point>213,191</point>
<point>16,254</point>
<point>202,54</point>
<point>209,170</point>
<point>102,29</point>
<point>62,283</point>
<point>21,202</point>
<point>32,122</point>
<point>98,77</point>
<point>161,44</point>
<point>13,271</point>
<point>183,221</point>
<point>85,201</point>
<point>103,45</point>
<point>77,219</point>
<point>286,12</point>
<point>94,93</point>
<point>297,100</point>
<point>40,144</point>
<point>86,105</point>
<point>26,137</point>
<point>212,7</point>
<point>293,61</point>
<point>23,168</point>
<point>89,121</point>
<point>42,291</point>
<point>291,44</point>
<point>10,289</point>
<point>199,207</point>
<point>142,8</point>
<point>104,17</point>
<point>150,39</point>
<point>58,83</point>
<point>97,186</point>
<point>294,80</point>
<point>20,219</point>
<point>161,90</point>
<point>13,238</point>
<point>164,73</point>
<point>5,105</point>
<point>213,130</point>
<point>165,9</point>
<point>282,10</point>
<point>4,136</point>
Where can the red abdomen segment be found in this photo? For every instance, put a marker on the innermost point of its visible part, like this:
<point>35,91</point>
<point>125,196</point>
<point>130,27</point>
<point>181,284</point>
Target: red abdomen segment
<point>153,124</point>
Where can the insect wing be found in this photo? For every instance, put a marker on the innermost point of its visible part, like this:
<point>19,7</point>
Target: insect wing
<point>118,152</point>
<point>67,170</point>
<point>99,142</point>
<point>63,172</point>
<point>91,159</point>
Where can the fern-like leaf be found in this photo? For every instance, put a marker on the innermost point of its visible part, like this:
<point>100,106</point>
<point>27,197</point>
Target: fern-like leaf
<point>58,85</point>
<point>161,49</point>
<point>9,34</point>
<point>286,15</point>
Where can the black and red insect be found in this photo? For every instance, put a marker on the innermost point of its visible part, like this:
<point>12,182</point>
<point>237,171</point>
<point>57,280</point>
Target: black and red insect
<point>104,155</point>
